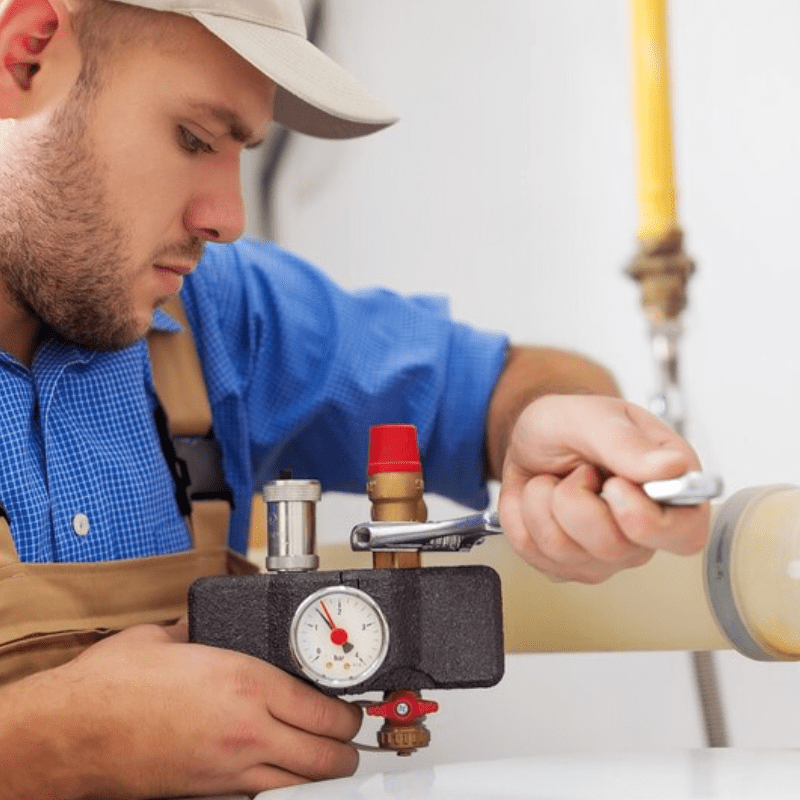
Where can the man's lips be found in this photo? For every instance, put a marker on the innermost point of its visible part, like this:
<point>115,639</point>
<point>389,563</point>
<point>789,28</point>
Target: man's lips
<point>171,275</point>
<point>178,269</point>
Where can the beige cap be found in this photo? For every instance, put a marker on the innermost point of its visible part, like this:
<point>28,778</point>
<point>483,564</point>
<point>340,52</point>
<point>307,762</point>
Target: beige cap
<point>315,95</point>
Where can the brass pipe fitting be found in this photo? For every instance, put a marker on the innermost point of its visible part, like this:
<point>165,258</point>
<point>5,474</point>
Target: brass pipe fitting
<point>663,270</point>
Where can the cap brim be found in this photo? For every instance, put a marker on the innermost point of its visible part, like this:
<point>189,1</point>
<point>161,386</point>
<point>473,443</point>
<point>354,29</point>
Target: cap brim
<point>315,95</point>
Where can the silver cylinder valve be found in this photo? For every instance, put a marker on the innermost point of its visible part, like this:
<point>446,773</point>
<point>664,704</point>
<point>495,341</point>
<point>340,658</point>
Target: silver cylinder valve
<point>291,524</point>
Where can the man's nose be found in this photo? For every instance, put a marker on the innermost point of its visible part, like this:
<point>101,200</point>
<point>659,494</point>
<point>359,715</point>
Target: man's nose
<point>216,211</point>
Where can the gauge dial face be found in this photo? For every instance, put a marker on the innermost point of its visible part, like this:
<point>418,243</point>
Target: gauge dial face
<point>339,636</point>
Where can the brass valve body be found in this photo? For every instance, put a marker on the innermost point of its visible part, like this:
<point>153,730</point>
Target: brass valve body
<point>403,739</point>
<point>397,497</point>
<point>663,269</point>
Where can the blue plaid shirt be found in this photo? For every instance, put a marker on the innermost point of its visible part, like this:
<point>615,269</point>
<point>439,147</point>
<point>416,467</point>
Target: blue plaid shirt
<point>297,371</point>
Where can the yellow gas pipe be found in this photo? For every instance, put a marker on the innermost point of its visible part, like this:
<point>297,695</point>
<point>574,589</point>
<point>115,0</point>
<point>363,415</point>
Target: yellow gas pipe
<point>657,200</point>
<point>661,267</point>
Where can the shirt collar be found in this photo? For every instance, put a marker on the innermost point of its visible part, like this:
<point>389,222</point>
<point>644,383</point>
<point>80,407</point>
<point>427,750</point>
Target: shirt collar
<point>164,322</point>
<point>161,321</point>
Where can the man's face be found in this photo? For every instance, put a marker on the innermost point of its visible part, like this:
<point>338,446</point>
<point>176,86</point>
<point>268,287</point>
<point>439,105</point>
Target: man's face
<point>105,205</point>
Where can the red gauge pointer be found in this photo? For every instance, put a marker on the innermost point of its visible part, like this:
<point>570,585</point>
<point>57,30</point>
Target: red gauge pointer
<point>338,635</point>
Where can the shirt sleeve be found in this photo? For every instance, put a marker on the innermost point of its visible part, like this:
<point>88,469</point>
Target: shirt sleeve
<point>306,368</point>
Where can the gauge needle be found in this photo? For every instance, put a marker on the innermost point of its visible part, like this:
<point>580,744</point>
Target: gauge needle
<point>338,635</point>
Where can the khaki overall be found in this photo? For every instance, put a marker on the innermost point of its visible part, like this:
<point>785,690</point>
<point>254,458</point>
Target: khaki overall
<point>49,613</point>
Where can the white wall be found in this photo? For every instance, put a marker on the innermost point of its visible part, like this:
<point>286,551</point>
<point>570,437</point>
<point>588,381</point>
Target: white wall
<point>509,184</point>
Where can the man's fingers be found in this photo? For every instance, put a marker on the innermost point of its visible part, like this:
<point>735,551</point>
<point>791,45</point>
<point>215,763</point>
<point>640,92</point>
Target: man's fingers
<point>566,531</point>
<point>554,509</point>
<point>537,533</point>
<point>314,741</point>
<point>298,704</point>
<point>678,529</point>
<point>588,521</point>
<point>313,757</point>
<point>179,631</point>
<point>264,777</point>
<point>634,443</point>
<point>557,433</point>
<point>284,731</point>
<point>537,536</point>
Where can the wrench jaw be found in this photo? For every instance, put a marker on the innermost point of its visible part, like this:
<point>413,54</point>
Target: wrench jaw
<point>454,535</point>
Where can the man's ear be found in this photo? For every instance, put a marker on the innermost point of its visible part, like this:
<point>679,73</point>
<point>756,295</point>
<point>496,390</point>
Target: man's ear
<point>39,55</point>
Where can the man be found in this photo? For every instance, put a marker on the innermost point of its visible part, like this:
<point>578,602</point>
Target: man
<point>119,160</point>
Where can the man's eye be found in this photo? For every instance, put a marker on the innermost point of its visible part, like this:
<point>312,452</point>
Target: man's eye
<point>191,143</point>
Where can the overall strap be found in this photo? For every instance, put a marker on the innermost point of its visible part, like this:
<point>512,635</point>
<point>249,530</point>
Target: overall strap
<point>178,376</point>
<point>8,550</point>
<point>184,423</point>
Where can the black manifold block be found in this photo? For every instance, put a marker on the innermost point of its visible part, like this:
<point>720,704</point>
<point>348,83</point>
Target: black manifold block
<point>445,623</point>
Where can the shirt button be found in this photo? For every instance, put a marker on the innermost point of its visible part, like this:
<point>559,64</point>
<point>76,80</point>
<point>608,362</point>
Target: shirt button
<point>80,524</point>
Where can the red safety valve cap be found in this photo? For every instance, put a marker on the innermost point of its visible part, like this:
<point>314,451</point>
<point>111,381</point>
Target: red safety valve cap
<point>393,448</point>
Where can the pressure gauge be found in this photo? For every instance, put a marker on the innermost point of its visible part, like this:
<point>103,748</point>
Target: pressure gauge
<point>339,636</point>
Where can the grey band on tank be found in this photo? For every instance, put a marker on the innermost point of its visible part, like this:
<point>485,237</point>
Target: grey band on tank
<point>719,583</point>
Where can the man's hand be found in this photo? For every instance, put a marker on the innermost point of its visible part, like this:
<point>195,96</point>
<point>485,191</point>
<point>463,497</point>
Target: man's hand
<point>570,500</point>
<point>144,714</point>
